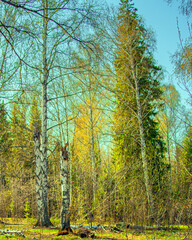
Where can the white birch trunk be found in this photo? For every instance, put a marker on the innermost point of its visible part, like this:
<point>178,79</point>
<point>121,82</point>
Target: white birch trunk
<point>93,156</point>
<point>169,159</point>
<point>70,155</point>
<point>70,174</point>
<point>65,198</point>
<point>43,216</point>
<point>38,174</point>
<point>143,152</point>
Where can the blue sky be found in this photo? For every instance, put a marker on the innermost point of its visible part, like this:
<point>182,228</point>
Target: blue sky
<point>162,19</point>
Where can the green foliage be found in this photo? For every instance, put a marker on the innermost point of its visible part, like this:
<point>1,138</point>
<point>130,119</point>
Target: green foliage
<point>76,108</point>
<point>35,118</point>
<point>187,144</point>
<point>136,69</point>
<point>12,207</point>
<point>5,143</point>
<point>27,209</point>
<point>4,130</point>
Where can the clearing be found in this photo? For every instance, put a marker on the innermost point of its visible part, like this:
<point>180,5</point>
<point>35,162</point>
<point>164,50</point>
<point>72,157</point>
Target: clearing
<point>23,229</point>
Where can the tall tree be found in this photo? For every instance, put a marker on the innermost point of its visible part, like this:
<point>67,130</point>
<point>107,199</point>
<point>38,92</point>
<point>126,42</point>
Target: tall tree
<point>59,33</point>
<point>138,91</point>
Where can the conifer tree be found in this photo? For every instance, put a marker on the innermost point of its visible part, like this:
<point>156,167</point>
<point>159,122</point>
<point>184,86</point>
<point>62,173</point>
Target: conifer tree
<point>5,142</point>
<point>138,92</point>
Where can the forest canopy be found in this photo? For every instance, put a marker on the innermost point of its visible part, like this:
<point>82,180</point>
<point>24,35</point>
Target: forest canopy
<point>87,128</point>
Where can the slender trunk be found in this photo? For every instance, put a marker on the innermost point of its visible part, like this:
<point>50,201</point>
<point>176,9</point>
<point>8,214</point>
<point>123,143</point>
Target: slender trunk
<point>169,159</point>
<point>65,198</point>
<point>43,216</point>
<point>93,156</point>
<point>38,173</point>
<point>70,153</point>
<point>70,175</point>
<point>92,140</point>
<point>143,152</point>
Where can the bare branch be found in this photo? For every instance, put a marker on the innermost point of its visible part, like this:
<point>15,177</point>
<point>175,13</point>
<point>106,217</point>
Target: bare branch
<point>17,53</point>
<point>64,96</point>
<point>70,35</point>
<point>61,123</point>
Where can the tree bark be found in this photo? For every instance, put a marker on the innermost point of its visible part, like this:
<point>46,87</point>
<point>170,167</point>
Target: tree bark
<point>143,151</point>
<point>169,159</point>
<point>38,173</point>
<point>93,155</point>
<point>43,216</point>
<point>65,198</point>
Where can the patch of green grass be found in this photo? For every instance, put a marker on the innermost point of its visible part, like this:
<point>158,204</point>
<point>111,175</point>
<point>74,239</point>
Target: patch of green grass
<point>55,221</point>
<point>26,226</point>
<point>10,236</point>
<point>43,230</point>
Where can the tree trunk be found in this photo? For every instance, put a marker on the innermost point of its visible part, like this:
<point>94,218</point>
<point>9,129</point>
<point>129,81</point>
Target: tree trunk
<point>65,198</point>
<point>42,210</point>
<point>93,155</point>
<point>143,152</point>
<point>70,155</point>
<point>43,216</point>
<point>38,173</point>
<point>169,159</point>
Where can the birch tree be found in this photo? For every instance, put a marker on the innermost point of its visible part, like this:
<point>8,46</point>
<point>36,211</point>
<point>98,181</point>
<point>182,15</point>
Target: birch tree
<point>42,52</point>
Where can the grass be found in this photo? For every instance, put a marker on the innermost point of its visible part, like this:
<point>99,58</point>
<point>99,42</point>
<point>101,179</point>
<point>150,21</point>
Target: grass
<point>26,226</point>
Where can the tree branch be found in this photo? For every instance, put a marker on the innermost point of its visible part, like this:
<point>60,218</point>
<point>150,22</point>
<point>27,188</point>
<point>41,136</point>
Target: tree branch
<point>16,5</point>
<point>61,123</point>
<point>64,96</point>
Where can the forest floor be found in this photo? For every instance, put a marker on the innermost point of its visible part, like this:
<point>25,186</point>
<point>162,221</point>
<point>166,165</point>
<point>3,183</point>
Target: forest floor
<point>23,229</point>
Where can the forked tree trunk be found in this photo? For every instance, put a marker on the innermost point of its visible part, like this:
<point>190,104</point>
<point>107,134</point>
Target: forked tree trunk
<point>65,198</point>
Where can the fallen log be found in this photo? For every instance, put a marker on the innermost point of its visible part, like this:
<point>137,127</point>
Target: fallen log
<point>138,227</point>
<point>112,229</point>
<point>4,223</point>
<point>11,232</point>
<point>143,228</point>
<point>93,227</point>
